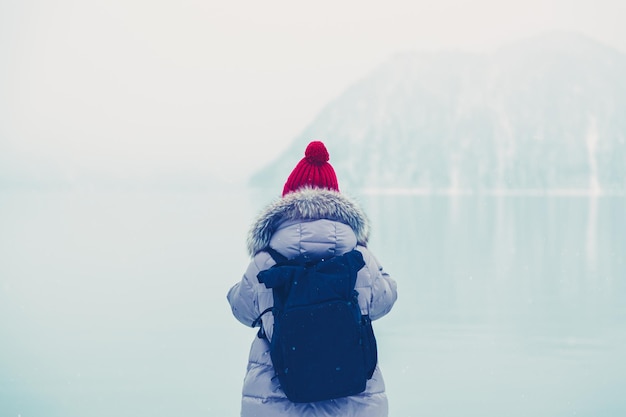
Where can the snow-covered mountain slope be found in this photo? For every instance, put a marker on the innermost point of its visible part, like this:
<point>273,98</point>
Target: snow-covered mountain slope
<point>546,113</point>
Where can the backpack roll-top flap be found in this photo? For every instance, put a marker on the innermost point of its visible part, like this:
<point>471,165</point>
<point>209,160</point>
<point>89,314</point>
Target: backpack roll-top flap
<point>333,278</point>
<point>281,280</point>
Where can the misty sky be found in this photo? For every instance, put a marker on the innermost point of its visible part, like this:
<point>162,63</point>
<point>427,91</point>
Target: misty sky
<point>132,87</point>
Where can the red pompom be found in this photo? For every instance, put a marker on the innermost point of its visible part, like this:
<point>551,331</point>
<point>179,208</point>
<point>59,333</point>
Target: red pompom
<point>316,153</point>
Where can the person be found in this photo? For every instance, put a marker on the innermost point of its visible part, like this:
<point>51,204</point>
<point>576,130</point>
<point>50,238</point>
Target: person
<point>312,217</point>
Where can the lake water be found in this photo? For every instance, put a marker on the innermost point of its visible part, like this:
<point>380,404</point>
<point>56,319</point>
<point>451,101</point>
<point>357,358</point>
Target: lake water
<point>114,303</point>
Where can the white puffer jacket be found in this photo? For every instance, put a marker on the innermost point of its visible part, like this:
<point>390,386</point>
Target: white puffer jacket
<point>319,223</point>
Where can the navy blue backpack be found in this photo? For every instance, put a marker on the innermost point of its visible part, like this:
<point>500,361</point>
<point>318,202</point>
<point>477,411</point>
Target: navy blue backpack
<point>321,347</point>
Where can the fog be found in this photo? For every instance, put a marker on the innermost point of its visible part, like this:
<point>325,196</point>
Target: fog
<point>133,89</point>
<point>129,130</point>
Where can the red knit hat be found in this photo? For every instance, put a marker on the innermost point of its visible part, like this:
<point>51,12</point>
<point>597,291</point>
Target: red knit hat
<point>313,170</point>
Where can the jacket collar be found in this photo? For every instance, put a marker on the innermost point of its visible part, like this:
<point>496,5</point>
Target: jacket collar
<point>307,204</point>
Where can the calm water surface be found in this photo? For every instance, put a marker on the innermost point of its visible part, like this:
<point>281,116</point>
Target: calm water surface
<point>113,303</point>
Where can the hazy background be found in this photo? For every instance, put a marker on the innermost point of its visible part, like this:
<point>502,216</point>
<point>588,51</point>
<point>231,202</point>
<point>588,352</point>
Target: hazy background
<point>132,89</point>
<point>129,131</point>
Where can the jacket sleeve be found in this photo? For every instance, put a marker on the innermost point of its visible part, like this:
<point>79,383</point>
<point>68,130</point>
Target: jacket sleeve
<point>383,290</point>
<point>243,296</point>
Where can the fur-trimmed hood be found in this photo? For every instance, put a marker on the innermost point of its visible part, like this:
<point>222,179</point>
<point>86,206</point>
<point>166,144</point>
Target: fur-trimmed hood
<point>308,204</point>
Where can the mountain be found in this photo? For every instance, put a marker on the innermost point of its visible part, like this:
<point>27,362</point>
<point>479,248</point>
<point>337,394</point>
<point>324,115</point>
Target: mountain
<point>544,113</point>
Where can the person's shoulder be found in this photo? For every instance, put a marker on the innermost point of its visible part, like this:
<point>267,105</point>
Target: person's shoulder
<point>367,254</point>
<point>263,260</point>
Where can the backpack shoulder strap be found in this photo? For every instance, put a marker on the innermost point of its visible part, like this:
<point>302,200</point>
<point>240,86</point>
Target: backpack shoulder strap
<point>277,256</point>
<point>261,333</point>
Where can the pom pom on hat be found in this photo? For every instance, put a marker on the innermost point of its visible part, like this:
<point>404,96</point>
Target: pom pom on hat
<point>316,153</point>
<point>313,170</point>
